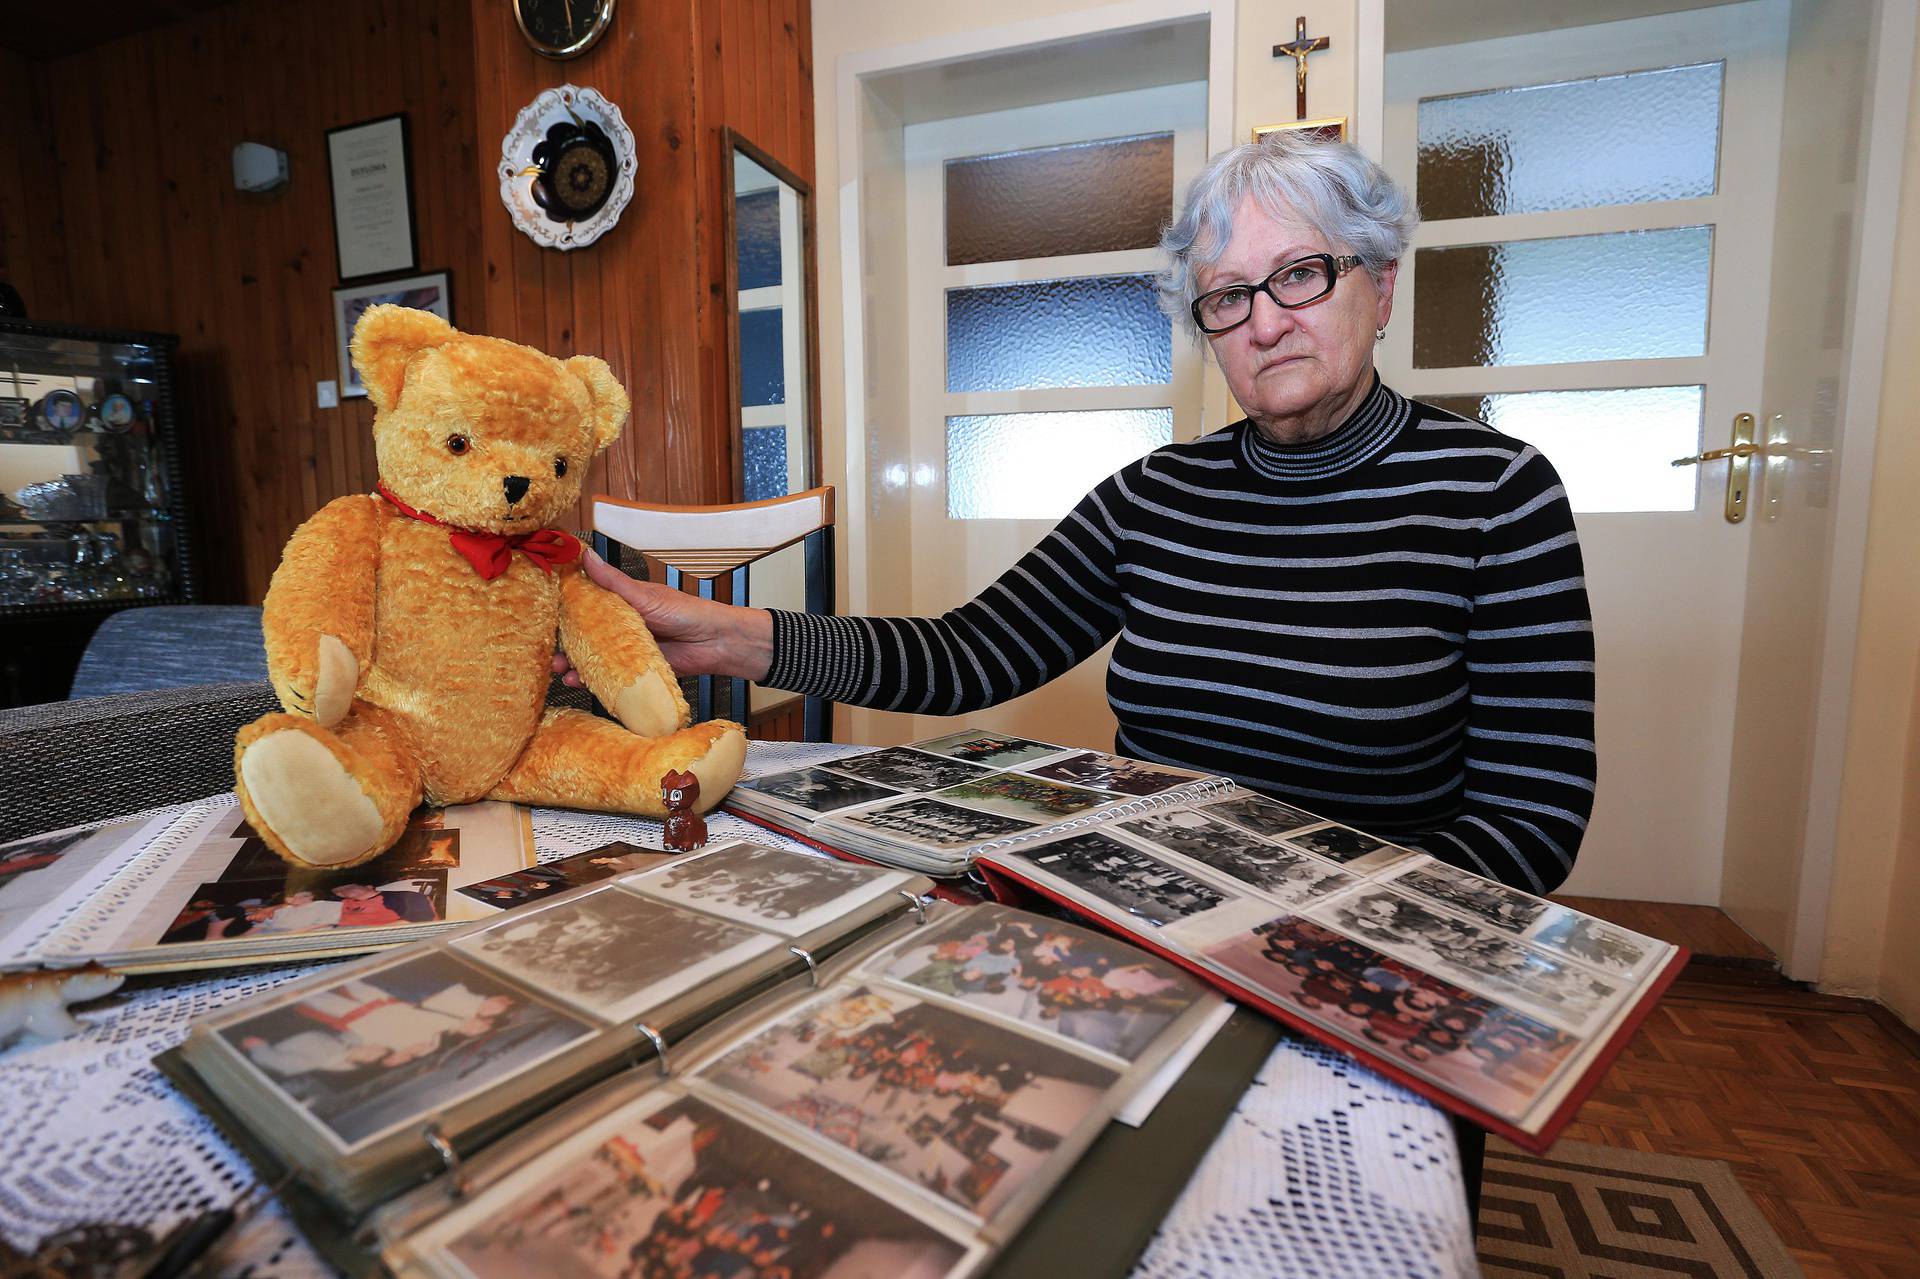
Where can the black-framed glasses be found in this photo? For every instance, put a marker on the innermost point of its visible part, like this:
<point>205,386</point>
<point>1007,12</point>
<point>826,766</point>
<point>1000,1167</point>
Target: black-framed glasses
<point>1296,284</point>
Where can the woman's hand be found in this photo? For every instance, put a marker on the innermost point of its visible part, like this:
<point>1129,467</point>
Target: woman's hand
<point>696,636</point>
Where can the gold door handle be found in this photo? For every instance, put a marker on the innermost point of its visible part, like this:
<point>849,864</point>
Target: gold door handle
<point>1714,455</point>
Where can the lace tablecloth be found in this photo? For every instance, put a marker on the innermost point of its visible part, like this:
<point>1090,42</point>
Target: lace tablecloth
<point>1324,1168</point>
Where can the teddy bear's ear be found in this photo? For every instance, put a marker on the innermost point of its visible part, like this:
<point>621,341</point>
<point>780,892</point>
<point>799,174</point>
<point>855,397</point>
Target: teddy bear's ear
<point>385,339</point>
<point>610,403</point>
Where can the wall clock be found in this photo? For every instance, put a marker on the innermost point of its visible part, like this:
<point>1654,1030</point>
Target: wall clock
<point>562,29</point>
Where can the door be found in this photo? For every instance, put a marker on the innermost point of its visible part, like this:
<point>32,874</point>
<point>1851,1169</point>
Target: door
<point>1039,362</point>
<point>1592,276</point>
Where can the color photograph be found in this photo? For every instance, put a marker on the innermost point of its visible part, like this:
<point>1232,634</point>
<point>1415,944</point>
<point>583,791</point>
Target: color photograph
<point>1023,798</point>
<point>1596,942</point>
<point>908,770</point>
<point>996,750</point>
<point>927,821</point>
<point>816,790</point>
<point>963,1108</point>
<point>554,877</point>
<point>786,893</point>
<point>612,952</point>
<point>687,1192</point>
<point>1124,877</point>
<point>1093,989</point>
<point>1493,1056</point>
<point>1288,876</point>
<point>382,1050</point>
<point>1114,773</point>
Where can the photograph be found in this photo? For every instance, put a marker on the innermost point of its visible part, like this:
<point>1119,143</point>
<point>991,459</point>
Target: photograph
<point>550,878</point>
<point>815,789</point>
<point>1114,773</point>
<point>785,893</point>
<point>907,770</point>
<point>1288,876</point>
<point>41,877</point>
<point>1493,1056</point>
<point>1124,877</point>
<point>1022,798</point>
<point>1472,954</point>
<point>1093,989</point>
<point>385,1048</point>
<point>22,856</point>
<point>1594,941</point>
<point>1261,815</point>
<point>946,826</point>
<point>614,953</point>
<point>869,1069</point>
<point>996,750</point>
<point>267,908</point>
<point>1489,901</point>
<point>432,292</point>
<point>1358,851</point>
<point>671,1188</point>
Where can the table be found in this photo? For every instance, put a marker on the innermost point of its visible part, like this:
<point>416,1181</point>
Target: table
<point>1324,1168</point>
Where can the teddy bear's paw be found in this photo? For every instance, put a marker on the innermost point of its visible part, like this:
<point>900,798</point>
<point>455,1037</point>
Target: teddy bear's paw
<point>339,677</point>
<point>719,767</point>
<point>309,800</point>
<point>647,707</point>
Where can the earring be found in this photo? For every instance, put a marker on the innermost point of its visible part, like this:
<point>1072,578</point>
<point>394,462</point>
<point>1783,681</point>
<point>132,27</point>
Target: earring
<point>1380,334</point>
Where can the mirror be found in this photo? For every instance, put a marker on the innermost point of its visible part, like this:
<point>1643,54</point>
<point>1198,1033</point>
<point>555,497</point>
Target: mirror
<point>772,344</point>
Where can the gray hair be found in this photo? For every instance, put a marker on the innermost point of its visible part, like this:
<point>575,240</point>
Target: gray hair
<point>1331,186</point>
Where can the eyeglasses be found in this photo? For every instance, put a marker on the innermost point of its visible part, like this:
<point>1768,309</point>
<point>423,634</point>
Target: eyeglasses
<point>1298,283</point>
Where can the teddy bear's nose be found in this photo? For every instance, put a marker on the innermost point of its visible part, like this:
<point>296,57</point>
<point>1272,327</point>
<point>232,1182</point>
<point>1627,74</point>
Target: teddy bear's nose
<point>516,487</point>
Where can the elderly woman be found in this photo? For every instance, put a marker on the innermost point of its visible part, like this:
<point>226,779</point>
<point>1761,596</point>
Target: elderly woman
<point>1349,600</point>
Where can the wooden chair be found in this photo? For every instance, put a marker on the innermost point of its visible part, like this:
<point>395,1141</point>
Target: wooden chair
<point>709,542</point>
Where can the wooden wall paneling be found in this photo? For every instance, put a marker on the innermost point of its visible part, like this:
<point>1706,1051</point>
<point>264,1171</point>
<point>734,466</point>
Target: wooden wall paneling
<point>30,215</point>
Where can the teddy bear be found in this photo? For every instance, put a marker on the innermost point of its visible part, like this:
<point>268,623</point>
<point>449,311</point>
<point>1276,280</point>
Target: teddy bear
<point>410,632</point>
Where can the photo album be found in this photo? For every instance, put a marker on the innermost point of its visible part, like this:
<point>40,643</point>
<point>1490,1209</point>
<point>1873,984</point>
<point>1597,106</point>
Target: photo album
<point>196,887</point>
<point>1501,1006</point>
<point>749,1061</point>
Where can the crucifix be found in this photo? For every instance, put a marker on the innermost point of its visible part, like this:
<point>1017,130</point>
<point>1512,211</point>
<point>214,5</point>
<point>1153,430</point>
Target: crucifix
<point>1298,48</point>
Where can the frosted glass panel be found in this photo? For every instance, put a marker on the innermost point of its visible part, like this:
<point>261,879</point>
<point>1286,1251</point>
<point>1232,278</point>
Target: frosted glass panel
<point>1035,466</point>
<point>763,368</point>
<point>763,458</point>
<point>1095,331</point>
<point>1623,139</point>
<point>1623,296</point>
<point>1614,449</point>
<point>756,231</point>
<point>1089,197</point>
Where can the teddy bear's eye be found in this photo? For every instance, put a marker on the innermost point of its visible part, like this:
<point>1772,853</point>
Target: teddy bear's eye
<point>456,444</point>
<point>559,466</point>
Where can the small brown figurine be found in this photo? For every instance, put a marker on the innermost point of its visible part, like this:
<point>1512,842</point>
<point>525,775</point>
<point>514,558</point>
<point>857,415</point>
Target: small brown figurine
<point>686,829</point>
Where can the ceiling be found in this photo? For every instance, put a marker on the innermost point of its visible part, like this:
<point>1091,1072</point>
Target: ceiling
<point>68,26</point>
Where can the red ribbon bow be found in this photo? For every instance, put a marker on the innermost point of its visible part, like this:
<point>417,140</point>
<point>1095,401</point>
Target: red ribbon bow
<point>490,553</point>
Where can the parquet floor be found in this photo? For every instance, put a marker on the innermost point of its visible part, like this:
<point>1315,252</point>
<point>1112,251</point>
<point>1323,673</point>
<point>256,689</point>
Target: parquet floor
<point>1814,1100</point>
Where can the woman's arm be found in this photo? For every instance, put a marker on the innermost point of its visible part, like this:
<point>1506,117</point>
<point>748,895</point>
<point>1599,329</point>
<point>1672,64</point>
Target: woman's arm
<point>1530,762</point>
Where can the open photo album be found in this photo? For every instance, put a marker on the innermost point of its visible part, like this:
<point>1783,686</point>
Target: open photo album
<point>195,887</point>
<point>751,1061</point>
<point>1504,1007</point>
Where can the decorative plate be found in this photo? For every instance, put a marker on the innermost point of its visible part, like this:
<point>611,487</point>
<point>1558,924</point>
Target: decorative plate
<point>568,156</point>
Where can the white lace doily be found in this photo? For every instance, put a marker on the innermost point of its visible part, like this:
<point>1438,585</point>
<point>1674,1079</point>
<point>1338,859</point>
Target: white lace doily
<point>1324,1168</point>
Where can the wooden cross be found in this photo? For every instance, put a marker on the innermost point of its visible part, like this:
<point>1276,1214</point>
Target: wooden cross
<point>1298,48</point>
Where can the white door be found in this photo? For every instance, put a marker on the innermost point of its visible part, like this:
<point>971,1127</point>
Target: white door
<point>1034,372</point>
<point>1593,277</point>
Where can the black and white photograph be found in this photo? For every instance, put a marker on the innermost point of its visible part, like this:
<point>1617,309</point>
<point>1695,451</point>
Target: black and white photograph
<point>1124,877</point>
<point>928,821</point>
<point>671,1188</point>
<point>1024,798</point>
<point>382,1050</point>
<point>612,952</point>
<point>1288,876</point>
<point>908,770</point>
<point>549,879</point>
<point>1472,955</point>
<point>816,790</point>
<point>996,750</point>
<point>1114,773</point>
<point>1594,941</point>
<point>1094,989</point>
<point>1491,902</point>
<point>1261,815</point>
<point>786,893</point>
<point>1358,851</point>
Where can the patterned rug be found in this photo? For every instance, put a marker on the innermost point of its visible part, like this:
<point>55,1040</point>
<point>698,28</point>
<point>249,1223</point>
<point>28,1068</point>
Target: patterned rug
<point>1597,1212</point>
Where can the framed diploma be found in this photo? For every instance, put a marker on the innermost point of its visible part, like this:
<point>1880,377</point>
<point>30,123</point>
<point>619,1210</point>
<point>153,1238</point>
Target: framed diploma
<point>373,226</point>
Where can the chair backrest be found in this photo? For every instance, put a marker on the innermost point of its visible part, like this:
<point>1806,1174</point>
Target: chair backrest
<point>172,646</point>
<point>709,542</point>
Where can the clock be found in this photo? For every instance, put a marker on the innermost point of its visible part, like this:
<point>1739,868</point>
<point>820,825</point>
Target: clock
<point>562,28</point>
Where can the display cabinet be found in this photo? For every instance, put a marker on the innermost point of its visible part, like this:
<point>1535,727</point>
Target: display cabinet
<point>92,513</point>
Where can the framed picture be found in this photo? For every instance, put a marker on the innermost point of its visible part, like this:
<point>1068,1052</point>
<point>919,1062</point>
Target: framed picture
<point>373,225</point>
<point>1332,128</point>
<point>431,292</point>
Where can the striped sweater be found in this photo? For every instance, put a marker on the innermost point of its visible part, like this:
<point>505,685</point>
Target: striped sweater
<point>1387,626</point>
